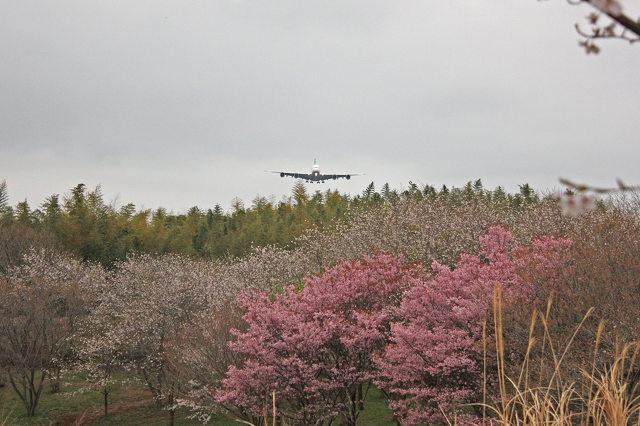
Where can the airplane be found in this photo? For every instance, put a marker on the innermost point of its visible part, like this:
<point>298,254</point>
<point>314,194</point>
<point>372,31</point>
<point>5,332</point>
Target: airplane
<point>315,175</point>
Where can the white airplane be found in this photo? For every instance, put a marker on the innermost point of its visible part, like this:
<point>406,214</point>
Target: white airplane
<point>315,175</point>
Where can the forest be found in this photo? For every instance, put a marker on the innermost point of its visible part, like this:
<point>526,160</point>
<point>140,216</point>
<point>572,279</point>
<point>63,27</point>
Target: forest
<point>82,223</point>
<point>421,306</point>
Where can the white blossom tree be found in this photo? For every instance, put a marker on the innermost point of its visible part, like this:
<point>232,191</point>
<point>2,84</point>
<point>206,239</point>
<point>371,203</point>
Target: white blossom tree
<point>141,312</point>
<point>42,302</point>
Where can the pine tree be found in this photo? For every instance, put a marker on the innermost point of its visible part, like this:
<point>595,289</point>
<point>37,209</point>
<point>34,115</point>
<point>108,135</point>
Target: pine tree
<point>367,194</point>
<point>4,195</point>
<point>528,194</point>
<point>299,193</point>
<point>386,192</point>
<point>23,213</point>
<point>128,210</point>
<point>237,205</point>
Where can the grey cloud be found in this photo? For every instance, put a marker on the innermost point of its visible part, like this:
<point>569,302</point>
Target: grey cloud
<point>177,103</point>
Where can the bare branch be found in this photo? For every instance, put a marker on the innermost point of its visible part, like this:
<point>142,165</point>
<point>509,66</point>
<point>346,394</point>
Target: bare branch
<point>581,187</point>
<point>621,27</point>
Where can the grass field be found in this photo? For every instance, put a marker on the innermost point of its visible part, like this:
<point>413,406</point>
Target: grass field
<point>129,404</point>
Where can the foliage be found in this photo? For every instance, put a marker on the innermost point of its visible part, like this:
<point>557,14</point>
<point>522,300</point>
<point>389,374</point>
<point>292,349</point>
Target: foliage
<point>4,195</point>
<point>202,357</point>
<point>40,304</point>
<point>313,347</point>
<point>167,317</point>
<point>601,272</point>
<point>434,360</point>
<point>17,240</point>
<point>83,224</point>
<point>140,312</point>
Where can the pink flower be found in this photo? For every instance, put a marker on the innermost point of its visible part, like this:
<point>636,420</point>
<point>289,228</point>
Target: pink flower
<point>314,346</point>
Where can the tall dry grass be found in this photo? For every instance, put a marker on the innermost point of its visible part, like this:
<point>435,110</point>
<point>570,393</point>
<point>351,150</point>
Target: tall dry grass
<point>540,394</point>
<point>265,414</point>
<point>4,417</point>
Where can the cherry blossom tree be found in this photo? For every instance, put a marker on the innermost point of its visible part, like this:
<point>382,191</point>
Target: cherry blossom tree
<point>312,345</point>
<point>101,351</point>
<point>431,229</point>
<point>143,306</point>
<point>100,362</point>
<point>42,303</point>
<point>202,356</point>
<point>433,362</point>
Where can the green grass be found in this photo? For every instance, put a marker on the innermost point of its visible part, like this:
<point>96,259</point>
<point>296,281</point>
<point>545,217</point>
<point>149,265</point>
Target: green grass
<point>130,404</point>
<point>376,412</point>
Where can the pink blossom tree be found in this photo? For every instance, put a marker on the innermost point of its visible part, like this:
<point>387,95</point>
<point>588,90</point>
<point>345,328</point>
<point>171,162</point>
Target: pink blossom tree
<point>433,362</point>
<point>312,346</point>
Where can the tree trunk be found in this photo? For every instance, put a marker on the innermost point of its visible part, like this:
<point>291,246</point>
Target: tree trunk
<point>28,391</point>
<point>55,381</point>
<point>106,402</point>
<point>172,415</point>
<point>359,395</point>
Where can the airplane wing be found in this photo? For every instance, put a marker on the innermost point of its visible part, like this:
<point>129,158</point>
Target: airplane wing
<point>316,178</point>
<point>345,176</point>
<point>291,174</point>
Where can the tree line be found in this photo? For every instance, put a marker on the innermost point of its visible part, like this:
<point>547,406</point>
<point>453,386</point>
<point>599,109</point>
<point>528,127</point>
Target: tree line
<point>82,223</point>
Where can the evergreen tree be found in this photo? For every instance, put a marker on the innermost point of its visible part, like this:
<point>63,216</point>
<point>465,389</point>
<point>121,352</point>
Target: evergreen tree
<point>528,194</point>
<point>51,207</point>
<point>237,206</point>
<point>128,210</point>
<point>386,191</point>
<point>23,213</point>
<point>369,191</point>
<point>6,212</point>
<point>429,191</point>
<point>299,193</point>
<point>77,199</point>
<point>259,203</point>
<point>4,195</point>
<point>499,195</point>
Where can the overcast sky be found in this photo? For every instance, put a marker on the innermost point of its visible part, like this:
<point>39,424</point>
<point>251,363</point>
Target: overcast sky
<point>183,103</point>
